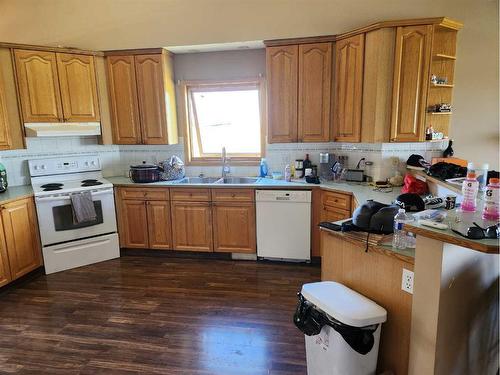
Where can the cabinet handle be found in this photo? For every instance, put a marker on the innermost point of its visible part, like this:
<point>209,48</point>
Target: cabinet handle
<point>233,195</point>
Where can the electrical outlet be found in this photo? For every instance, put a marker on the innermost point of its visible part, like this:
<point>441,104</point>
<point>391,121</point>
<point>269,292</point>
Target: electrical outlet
<point>407,281</point>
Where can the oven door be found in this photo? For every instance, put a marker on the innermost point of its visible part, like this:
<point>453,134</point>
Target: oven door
<point>55,218</point>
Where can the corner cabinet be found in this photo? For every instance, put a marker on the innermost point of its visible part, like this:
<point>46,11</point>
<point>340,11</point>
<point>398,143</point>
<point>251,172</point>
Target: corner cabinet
<point>20,238</point>
<point>142,97</point>
<point>348,88</point>
<point>411,82</point>
<point>56,87</point>
<point>282,80</point>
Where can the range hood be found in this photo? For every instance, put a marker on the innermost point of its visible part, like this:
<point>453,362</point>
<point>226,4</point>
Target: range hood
<point>58,129</point>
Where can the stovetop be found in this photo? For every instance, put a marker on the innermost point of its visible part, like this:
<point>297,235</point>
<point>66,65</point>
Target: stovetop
<point>62,186</point>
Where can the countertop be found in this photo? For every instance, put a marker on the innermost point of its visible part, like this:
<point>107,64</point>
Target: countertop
<point>16,192</point>
<point>361,192</point>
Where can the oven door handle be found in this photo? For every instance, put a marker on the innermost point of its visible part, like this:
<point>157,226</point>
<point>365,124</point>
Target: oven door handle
<point>62,197</point>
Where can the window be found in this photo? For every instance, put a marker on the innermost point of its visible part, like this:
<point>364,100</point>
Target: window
<point>224,114</point>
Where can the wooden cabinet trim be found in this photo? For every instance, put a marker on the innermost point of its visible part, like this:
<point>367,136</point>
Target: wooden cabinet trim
<point>144,194</point>
<point>233,195</point>
<point>190,194</point>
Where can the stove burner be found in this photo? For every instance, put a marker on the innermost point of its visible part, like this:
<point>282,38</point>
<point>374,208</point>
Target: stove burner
<point>51,188</point>
<point>51,185</point>
<point>89,180</point>
<point>94,183</point>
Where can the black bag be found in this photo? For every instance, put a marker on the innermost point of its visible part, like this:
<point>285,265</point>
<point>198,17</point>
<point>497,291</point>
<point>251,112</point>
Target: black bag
<point>374,217</point>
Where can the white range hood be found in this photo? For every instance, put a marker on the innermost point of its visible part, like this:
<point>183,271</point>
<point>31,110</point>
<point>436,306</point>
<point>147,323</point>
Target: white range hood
<point>58,129</point>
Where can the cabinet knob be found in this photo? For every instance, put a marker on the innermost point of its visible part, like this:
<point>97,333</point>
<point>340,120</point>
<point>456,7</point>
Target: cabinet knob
<point>233,195</point>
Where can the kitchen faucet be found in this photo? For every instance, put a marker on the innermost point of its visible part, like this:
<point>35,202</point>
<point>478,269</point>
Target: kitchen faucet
<point>226,169</point>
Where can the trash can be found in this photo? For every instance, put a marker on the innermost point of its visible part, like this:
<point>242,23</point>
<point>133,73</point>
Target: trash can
<point>341,327</point>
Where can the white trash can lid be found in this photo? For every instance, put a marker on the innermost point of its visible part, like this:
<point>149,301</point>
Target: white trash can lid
<point>344,304</point>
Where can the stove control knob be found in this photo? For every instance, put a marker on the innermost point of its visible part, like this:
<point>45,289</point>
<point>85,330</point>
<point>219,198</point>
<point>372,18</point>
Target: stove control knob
<point>92,162</point>
<point>43,166</point>
<point>86,163</point>
<point>35,167</point>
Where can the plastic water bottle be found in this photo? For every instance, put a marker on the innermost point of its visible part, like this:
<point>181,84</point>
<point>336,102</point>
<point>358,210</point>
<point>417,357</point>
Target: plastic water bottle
<point>399,239</point>
<point>288,173</point>
<point>491,210</point>
<point>470,188</point>
<point>482,176</point>
<point>263,168</point>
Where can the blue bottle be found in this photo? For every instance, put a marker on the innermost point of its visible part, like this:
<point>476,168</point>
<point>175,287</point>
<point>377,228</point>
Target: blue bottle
<point>263,168</point>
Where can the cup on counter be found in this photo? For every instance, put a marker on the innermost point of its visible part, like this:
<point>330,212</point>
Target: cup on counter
<point>450,202</point>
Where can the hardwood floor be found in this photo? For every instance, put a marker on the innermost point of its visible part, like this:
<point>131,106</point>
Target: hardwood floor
<point>156,315</point>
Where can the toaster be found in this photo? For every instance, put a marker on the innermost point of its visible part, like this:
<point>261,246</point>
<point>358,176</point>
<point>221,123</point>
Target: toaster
<point>356,175</point>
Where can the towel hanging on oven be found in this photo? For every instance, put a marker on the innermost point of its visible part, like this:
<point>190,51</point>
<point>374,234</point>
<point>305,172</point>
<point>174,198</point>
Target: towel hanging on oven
<point>82,207</point>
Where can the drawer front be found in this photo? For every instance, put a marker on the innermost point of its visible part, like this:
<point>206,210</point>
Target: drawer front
<point>233,195</point>
<point>157,194</point>
<point>337,200</point>
<point>188,194</point>
<point>333,214</point>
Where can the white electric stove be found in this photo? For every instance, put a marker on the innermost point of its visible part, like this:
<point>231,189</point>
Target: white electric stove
<point>65,244</point>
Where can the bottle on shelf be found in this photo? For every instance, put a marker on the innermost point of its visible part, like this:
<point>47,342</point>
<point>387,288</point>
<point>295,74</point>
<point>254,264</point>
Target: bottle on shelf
<point>306,165</point>
<point>491,210</point>
<point>448,151</point>
<point>470,187</point>
<point>428,133</point>
<point>264,170</point>
<point>400,238</point>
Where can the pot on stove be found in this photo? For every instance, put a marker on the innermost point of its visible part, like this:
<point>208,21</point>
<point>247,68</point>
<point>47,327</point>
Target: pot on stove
<point>144,173</point>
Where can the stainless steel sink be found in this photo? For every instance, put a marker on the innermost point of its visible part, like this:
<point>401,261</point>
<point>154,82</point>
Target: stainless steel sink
<point>237,180</point>
<point>197,180</point>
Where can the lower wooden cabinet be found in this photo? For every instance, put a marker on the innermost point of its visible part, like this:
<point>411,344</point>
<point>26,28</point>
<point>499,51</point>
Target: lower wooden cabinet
<point>234,227</point>
<point>192,226</point>
<point>22,243</point>
<point>159,225</point>
<point>5,276</point>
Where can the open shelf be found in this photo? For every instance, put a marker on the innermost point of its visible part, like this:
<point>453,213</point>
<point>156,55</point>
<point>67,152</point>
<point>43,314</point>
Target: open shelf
<point>443,56</point>
<point>442,85</point>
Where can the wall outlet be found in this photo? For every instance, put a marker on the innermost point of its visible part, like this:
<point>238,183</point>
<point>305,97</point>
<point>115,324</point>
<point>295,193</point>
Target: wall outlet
<point>407,281</point>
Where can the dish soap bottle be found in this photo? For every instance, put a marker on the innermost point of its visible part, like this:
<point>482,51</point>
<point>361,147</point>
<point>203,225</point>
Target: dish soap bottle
<point>263,168</point>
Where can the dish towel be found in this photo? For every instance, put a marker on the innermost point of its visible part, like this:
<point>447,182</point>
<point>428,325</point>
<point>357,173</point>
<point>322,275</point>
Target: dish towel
<point>82,207</point>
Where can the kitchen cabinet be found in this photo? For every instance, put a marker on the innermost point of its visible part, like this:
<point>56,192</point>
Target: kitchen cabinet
<point>315,76</point>
<point>5,276</point>
<point>192,226</point>
<point>349,59</point>
<point>142,96</point>
<point>38,84</point>
<point>411,82</point>
<point>20,229</point>
<point>144,218</point>
<point>5,142</point>
<point>282,80</point>
<point>77,80</point>
<point>56,87</point>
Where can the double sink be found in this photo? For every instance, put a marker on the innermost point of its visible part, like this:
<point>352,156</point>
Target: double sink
<point>217,180</point>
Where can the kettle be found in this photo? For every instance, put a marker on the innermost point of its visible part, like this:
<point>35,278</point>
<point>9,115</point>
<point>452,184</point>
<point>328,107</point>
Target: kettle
<point>3,178</point>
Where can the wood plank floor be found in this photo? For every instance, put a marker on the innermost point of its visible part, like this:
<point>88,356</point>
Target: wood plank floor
<point>156,315</point>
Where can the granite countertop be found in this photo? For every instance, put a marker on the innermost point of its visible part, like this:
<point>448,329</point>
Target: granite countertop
<point>16,192</point>
<point>361,192</point>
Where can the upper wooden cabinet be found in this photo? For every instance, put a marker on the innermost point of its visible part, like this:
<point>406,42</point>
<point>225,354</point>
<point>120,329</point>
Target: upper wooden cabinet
<point>4,119</point>
<point>123,97</point>
<point>349,59</point>
<point>411,82</point>
<point>282,79</point>
<point>315,76</point>
<point>142,98</point>
<point>56,87</point>
<point>21,237</point>
<point>38,86</point>
<point>77,80</point>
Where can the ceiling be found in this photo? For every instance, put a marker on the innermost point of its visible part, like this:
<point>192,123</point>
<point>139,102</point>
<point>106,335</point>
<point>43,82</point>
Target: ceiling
<point>119,24</point>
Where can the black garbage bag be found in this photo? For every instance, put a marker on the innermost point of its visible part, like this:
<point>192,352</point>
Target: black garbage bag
<point>310,320</point>
<point>443,171</point>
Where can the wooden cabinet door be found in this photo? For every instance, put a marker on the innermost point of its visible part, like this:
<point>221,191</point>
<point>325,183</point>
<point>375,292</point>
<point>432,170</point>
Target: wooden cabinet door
<point>348,88</point>
<point>5,276</point>
<point>192,226</point>
<point>334,214</point>
<point>282,73</point>
<point>5,142</point>
<point>411,81</point>
<point>38,86</point>
<point>159,225</point>
<point>21,237</point>
<point>123,97</point>
<point>78,87</point>
<point>133,224</point>
<point>315,76</point>
<point>151,95</point>
<point>234,227</point>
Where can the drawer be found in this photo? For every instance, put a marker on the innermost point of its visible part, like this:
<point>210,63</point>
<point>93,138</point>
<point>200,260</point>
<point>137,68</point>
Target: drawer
<point>337,200</point>
<point>334,214</point>
<point>190,194</point>
<point>157,194</point>
<point>233,195</point>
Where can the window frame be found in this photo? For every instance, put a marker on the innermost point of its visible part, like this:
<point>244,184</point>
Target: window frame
<point>186,90</point>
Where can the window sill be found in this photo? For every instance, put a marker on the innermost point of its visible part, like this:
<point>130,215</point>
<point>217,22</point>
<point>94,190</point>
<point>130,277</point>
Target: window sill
<point>218,162</point>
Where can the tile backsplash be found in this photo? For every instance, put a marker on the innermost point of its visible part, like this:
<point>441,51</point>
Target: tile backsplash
<point>116,159</point>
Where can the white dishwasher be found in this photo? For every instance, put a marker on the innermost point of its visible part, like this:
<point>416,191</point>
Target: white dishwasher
<point>283,224</point>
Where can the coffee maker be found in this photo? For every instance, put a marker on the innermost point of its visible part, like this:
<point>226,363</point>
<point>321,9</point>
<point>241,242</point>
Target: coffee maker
<point>325,166</point>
